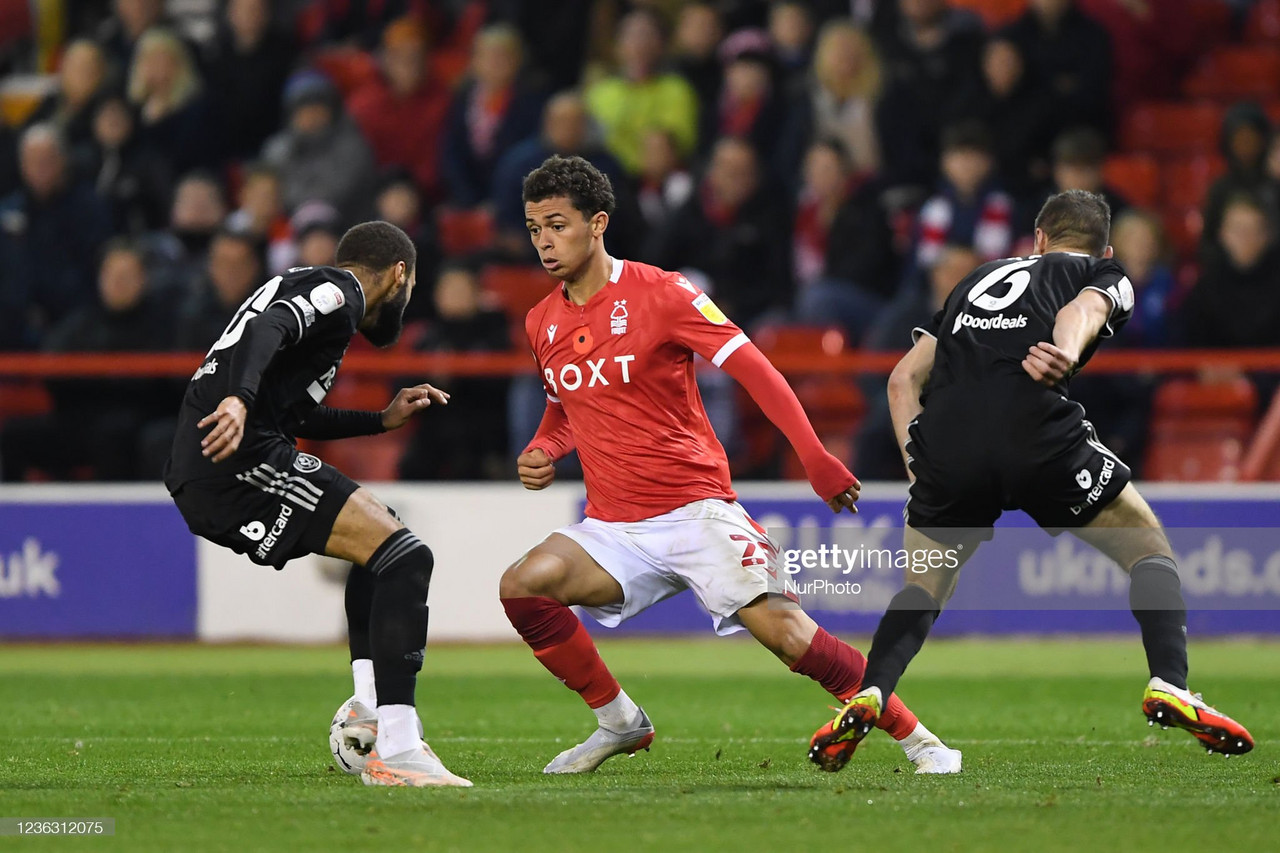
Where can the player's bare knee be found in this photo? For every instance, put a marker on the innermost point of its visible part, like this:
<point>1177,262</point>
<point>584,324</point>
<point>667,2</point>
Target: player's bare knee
<point>534,574</point>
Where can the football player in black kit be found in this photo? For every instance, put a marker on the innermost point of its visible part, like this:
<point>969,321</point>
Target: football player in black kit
<point>980,411</point>
<point>239,481</point>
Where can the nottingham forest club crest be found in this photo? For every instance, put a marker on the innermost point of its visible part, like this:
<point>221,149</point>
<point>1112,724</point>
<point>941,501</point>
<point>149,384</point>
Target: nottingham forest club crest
<point>618,319</point>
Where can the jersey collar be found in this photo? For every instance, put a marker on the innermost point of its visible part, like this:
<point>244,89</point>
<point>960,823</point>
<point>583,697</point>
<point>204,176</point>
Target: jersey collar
<point>360,289</point>
<point>615,273</point>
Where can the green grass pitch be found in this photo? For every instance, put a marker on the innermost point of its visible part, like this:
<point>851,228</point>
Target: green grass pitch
<point>208,748</point>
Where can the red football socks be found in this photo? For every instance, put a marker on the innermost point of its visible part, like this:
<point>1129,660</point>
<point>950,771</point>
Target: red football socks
<point>838,667</point>
<point>561,642</point>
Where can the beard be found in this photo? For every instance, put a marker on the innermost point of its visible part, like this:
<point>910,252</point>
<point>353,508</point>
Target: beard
<point>388,323</point>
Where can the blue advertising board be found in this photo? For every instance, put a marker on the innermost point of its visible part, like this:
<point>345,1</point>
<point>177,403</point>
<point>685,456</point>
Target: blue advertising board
<point>81,569</point>
<point>1025,581</point>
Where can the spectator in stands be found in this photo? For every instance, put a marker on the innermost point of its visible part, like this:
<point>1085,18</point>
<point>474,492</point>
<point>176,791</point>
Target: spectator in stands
<point>642,97</point>
<point>878,456</point>
<point>233,271</point>
<point>845,268</point>
<point>969,208</point>
<point>1236,302</point>
<point>1152,44</point>
<point>316,228</point>
<point>247,73</point>
<point>119,34</point>
<point>320,154</point>
<point>566,130</point>
<point>50,232</point>
<point>356,24</point>
<point>557,43</point>
<point>733,233</point>
<point>932,55</point>
<point>261,213</point>
<point>665,183</point>
<point>467,439</point>
<point>699,31</point>
<point>1078,158</point>
<point>8,160</point>
<point>839,101</point>
<point>1246,135</point>
<point>81,78</point>
<point>97,422</point>
<point>165,87</point>
<point>791,30</point>
<point>402,112</point>
<point>1139,242</point>
<point>400,202</point>
<point>1068,58</point>
<point>135,180</point>
<point>198,212</point>
<point>1010,102</point>
<point>491,112</point>
<point>751,105</point>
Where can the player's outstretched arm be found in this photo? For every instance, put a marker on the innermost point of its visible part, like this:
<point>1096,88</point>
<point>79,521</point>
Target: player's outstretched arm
<point>1078,323</point>
<point>828,475</point>
<point>906,382</point>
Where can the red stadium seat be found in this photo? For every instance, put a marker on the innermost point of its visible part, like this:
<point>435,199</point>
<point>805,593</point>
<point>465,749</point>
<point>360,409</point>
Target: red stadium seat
<point>1182,226</point>
<point>464,231</point>
<point>1172,128</point>
<point>1137,176</point>
<point>1212,20</point>
<point>22,397</point>
<point>516,288</point>
<point>834,403</point>
<point>1187,179</point>
<point>1230,73</point>
<point>995,13</point>
<point>347,67</point>
<point>370,458</point>
<point>1262,461</point>
<point>1199,430</point>
<point>1263,23</point>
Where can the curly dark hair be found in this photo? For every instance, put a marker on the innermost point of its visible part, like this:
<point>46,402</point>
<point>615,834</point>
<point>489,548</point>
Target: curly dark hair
<point>575,179</point>
<point>376,246</point>
<point>1077,218</point>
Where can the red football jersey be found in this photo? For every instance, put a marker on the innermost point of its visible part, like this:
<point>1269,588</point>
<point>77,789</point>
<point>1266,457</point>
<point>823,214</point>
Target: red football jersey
<point>622,368</point>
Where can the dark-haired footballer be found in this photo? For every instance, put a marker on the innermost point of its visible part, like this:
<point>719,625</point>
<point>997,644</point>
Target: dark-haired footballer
<point>239,480</point>
<point>615,342</point>
<point>981,413</point>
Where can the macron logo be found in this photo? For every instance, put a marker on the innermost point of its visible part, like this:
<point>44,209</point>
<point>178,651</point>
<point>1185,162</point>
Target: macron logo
<point>551,333</point>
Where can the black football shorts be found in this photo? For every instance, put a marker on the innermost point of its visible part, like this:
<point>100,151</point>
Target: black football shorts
<point>973,462</point>
<point>281,508</point>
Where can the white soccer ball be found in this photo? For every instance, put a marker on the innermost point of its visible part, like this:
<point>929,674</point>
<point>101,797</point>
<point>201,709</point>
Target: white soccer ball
<point>347,759</point>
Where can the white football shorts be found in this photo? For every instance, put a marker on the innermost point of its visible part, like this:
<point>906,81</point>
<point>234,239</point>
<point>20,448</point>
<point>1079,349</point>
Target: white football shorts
<point>709,546</point>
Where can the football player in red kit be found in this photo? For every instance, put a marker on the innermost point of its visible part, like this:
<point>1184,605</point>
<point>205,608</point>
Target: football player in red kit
<point>614,344</point>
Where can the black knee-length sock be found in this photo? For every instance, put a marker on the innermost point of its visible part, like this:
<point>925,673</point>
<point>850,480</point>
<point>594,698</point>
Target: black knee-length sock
<point>898,639</point>
<point>401,568</point>
<point>1155,597</point>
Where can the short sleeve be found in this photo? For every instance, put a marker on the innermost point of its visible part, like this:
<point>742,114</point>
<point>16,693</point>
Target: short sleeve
<point>696,322</point>
<point>323,305</point>
<point>930,328</point>
<point>1110,280</point>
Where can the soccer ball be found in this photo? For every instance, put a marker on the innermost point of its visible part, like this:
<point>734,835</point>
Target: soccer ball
<point>347,759</point>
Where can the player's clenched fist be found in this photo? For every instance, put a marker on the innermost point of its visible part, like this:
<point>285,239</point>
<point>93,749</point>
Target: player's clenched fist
<point>833,482</point>
<point>536,469</point>
<point>228,428</point>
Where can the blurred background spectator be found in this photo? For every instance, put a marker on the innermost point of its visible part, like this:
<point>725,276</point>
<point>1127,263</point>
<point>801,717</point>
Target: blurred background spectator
<point>817,162</point>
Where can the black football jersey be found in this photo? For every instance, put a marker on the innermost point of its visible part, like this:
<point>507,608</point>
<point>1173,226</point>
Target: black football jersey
<point>322,308</point>
<point>996,314</point>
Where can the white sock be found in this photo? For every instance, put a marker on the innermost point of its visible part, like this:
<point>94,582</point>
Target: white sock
<point>620,715</point>
<point>919,738</point>
<point>397,730</point>
<point>362,674</point>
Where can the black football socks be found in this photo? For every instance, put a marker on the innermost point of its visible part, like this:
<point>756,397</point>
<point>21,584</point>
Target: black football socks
<point>401,568</point>
<point>1155,596</point>
<point>898,638</point>
<point>359,603</point>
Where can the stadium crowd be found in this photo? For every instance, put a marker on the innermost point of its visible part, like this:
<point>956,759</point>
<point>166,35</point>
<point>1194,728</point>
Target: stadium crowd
<point>806,162</point>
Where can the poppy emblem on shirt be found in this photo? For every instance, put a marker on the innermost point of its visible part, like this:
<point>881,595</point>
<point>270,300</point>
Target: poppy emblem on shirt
<point>618,319</point>
<point>582,340</point>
